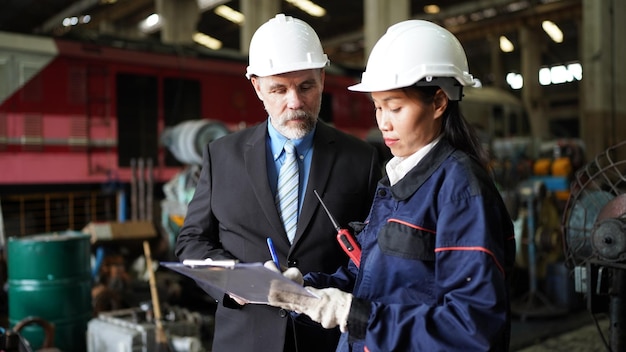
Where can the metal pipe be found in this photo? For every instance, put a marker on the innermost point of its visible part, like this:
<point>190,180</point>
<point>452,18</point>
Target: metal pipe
<point>141,200</point>
<point>133,189</point>
<point>149,191</point>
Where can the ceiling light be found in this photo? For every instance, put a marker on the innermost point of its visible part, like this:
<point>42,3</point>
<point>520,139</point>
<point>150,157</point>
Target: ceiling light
<point>204,5</point>
<point>506,45</point>
<point>490,12</point>
<point>74,20</point>
<point>309,7</point>
<point>151,24</point>
<point>230,14</point>
<point>207,41</point>
<point>517,6</point>
<point>553,31</point>
<point>560,74</point>
<point>515,80</point>
<point>476,16</point>
<point>431,9</point>
<point>455,21</point>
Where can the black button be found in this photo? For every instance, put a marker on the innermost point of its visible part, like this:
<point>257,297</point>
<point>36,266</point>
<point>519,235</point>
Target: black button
<point>382,192</point>
<point>292,263</point>
<point>282,313</point>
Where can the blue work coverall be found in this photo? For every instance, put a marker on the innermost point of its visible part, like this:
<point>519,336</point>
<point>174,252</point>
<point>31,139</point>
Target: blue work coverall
<point>437,251</point>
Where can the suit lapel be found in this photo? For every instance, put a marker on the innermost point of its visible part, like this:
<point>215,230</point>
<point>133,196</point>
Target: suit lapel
<point>256,166</point>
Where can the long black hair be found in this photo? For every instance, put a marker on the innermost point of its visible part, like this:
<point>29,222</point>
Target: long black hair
<point>455,128</point>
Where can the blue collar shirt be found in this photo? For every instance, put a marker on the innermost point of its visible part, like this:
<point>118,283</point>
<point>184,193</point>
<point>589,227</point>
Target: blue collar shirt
<point>276,156</point>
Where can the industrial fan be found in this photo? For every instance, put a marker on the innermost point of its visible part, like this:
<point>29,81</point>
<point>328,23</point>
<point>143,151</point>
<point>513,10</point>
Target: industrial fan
<point>594,238</point>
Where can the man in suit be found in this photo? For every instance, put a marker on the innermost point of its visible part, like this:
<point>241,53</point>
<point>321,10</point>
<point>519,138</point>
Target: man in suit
<point>234,208</point>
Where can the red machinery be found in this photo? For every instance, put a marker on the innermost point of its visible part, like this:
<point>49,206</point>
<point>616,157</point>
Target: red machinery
<point>78,113</point>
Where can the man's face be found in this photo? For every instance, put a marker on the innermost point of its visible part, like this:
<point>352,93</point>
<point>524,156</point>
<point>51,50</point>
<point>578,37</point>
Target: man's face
<point>293,100</point>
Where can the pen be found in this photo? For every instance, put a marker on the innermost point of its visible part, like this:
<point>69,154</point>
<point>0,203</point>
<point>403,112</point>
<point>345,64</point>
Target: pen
<point>270,245</point>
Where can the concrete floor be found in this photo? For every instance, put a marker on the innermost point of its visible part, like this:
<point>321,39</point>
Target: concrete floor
<point>573,332</point>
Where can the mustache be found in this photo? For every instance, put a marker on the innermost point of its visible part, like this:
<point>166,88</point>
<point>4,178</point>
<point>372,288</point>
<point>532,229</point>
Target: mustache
<point>296,115</point>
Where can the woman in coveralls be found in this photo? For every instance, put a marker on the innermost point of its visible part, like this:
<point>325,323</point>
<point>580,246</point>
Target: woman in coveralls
<point>438,244</point>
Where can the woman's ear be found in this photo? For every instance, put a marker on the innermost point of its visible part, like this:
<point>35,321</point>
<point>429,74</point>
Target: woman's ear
<point>441,103</point>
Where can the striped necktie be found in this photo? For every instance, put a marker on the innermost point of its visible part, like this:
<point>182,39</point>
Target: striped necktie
<point>287,191</point>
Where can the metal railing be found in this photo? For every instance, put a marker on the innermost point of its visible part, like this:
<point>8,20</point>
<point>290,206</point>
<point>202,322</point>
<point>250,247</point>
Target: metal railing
<point>29,214</point>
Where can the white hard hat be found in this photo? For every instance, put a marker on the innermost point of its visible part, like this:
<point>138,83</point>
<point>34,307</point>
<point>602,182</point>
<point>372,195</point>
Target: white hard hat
<point>416,52</point>
<point>284,44</point>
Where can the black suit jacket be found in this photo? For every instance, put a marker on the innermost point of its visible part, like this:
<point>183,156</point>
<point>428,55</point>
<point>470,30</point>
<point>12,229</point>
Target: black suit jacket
<point>233,212</point>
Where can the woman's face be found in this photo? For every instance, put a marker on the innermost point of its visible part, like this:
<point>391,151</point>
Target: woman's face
<point>407,119</point>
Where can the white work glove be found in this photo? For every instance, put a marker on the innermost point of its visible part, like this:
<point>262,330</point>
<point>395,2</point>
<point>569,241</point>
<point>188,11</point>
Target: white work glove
<point>330,309</point>
<point>292,273</point>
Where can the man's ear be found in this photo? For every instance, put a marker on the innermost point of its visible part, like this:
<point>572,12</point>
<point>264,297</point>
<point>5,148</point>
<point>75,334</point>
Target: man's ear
<point>256,83</point>
<point>441,103</point>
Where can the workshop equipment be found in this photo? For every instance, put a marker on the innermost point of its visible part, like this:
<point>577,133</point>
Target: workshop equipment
<point>49,277</point>
<point>187,140</point>
<point>160,335</point>
<point>594,237</point>
<point>133,329</point>
<point>534,303</point>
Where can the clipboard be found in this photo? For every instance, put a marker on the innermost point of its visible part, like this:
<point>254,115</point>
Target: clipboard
<point>249,282</point>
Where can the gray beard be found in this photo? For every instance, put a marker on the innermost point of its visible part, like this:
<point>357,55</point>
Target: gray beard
<point>299,131</point>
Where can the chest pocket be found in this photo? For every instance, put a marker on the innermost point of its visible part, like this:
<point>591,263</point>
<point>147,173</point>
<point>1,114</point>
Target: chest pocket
<point>408,242</point>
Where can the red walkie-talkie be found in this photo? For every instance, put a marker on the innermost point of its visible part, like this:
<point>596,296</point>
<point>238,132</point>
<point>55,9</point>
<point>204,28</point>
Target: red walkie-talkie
<point>345,239</point>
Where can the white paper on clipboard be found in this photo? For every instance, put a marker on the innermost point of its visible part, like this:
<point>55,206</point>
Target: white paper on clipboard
<point>249,282</point>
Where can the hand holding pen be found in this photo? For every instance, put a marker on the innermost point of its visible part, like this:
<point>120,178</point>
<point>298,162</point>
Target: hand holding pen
<point>270,246</point>
<point>292,273</point>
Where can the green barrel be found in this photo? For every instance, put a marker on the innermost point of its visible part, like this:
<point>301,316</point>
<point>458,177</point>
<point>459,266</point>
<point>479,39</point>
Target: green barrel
<point>49,277</point>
